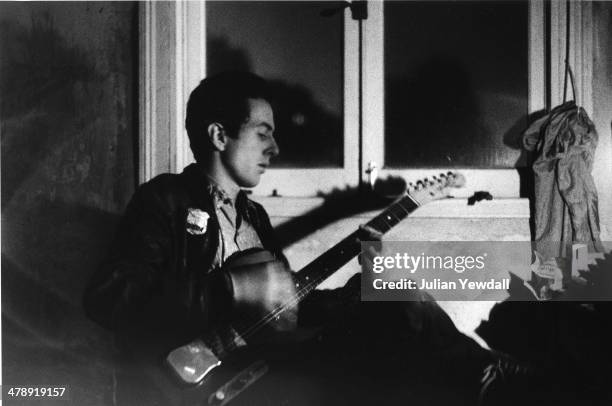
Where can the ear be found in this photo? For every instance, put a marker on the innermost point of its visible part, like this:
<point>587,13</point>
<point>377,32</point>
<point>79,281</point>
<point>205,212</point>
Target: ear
<point>217,136</point>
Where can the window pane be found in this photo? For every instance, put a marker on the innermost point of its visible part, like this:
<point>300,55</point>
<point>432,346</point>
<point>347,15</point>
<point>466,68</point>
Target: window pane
<point>301,53</point>
<point>456,83</point>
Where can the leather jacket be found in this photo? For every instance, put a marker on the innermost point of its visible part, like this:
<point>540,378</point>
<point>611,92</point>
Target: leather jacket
<point>159,280</point>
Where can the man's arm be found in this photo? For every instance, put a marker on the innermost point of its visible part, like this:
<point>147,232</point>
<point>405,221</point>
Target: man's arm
<point>124,284</point>
<point>330,305</point>
<point>128,290</point>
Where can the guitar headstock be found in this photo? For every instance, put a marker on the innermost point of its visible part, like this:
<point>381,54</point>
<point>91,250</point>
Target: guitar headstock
<point>436,187</point>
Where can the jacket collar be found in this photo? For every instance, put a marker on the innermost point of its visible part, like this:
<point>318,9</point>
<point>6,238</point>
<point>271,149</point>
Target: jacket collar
<point>207,193</point>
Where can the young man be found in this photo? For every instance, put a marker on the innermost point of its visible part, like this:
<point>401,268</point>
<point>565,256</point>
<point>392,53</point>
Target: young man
<point>179,229</point>
<point>165,283</point>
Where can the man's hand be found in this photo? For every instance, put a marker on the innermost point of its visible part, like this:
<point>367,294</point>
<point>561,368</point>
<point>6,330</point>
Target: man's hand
<point>367,233</point>
<point>266,289</point>
<point>350,293</point>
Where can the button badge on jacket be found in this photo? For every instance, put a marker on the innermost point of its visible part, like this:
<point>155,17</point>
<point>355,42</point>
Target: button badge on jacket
<point>197,220</point>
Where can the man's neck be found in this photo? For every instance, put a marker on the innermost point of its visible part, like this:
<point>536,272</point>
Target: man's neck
<point>220,176</point>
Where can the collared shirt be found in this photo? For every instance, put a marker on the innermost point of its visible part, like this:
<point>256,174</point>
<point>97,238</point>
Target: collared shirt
<point>236,233</point>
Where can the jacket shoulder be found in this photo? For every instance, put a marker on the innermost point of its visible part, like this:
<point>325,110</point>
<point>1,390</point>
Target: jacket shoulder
<point>262,218</point>
<point>164,183</point>
<point>165,190</point>
<point>257,206</point>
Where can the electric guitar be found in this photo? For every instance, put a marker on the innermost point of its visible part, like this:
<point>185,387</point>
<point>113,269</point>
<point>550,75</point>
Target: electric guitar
<point>213,374</point>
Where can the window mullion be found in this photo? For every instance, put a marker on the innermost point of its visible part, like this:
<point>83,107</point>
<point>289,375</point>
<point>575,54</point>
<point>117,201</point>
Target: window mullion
<point>373,87</point>
<point>537,57</point>
<point>351,99</point>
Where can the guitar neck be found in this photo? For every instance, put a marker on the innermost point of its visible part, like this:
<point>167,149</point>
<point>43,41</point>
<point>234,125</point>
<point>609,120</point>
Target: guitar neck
<point>313,274</point>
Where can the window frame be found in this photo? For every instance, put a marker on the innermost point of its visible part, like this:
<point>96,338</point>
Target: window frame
<point>309,182</point>
<point>173,61</point>
<point>499,182</point>
<point>172,45</point>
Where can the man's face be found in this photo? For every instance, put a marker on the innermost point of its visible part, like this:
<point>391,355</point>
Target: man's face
<point>247,156</point>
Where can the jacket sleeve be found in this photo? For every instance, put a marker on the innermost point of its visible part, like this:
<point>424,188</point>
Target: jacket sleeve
<point>128,290</point>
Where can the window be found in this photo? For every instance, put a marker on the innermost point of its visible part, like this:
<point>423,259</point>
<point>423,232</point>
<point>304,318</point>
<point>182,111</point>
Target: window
<point>455,96</point>
<point>183,40</point>
<point>301,55</point>
<point>308,60</point>
<point>434,98</point>
<point>423,49</point>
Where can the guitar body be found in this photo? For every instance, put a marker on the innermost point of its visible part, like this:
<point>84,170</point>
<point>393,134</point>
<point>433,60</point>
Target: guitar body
<point>281,371</point>
<point>215,390</point>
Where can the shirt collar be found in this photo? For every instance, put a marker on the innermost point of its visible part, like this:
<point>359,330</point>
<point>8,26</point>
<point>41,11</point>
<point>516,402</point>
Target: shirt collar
<point>218,194</point>
<point>220,197</point>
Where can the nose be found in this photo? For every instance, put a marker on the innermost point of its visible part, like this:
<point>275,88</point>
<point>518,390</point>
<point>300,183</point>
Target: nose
<point>273,150</point>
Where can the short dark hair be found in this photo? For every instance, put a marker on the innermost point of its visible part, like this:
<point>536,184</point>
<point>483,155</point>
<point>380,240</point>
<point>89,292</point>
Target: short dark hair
<point>221,98</point>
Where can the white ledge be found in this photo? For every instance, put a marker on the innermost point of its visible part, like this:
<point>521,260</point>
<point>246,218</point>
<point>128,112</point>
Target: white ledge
<point>447,208</point>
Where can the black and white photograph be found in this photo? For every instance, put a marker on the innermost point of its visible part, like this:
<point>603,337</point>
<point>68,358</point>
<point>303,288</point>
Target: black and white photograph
<point>288,202</point>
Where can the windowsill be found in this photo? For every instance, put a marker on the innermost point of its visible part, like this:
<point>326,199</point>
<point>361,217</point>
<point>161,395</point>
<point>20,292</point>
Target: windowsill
<point>447,208</point>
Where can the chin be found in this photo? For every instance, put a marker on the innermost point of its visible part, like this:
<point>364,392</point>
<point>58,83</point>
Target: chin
<point>250,183</point>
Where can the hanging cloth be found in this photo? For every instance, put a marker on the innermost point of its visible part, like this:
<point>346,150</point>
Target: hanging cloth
<point>566,206</point>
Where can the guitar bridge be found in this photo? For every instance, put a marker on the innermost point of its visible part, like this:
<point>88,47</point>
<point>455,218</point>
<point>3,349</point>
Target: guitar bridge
<point>237,384</point>
<point>193,361</point>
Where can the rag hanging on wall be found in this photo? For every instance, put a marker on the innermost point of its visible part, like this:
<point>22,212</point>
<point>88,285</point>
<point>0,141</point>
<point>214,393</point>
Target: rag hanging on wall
<point>566,209</point>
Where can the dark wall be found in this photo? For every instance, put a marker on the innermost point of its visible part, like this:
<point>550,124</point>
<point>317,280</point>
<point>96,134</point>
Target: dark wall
<point>68,124</point>
<point>602,111</point>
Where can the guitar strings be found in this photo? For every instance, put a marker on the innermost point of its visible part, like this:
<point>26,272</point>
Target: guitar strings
<point>303,292</point>
<point>310,286</point>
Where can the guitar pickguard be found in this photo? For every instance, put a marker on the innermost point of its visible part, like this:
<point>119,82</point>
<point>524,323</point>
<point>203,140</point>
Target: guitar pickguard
<point>193,361</point>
